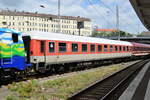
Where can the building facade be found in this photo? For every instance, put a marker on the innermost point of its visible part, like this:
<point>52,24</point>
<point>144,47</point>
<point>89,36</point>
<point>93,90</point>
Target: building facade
<point>26,21</point>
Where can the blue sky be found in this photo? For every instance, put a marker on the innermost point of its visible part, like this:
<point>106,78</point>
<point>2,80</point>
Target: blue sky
<point>101,12</point>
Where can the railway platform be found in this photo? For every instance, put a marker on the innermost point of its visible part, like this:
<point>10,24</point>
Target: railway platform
<point>139,88</point>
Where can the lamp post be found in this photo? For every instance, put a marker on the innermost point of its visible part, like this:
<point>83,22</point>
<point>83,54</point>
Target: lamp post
<point>59,18</point>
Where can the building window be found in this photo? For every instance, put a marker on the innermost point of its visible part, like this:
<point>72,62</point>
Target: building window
<point>22,23</point>
<point>74,47</point>
<point>92,48</point>
<point>51,47</point>
<point>9,23</point>
<point>84,47</point>
<point>62,47</point>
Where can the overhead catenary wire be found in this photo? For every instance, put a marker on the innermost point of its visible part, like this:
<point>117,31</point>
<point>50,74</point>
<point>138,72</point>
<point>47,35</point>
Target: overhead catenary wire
<point>97,11</point>
<point>112,11</point>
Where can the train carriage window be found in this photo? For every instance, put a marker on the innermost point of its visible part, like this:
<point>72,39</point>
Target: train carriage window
<point>131,48</point>
<point>124,48</point>
<point>92,48</point>
<point>74,47</point>
<point>51,47</point>
<point>99,48</point>
<point>127,48</point>
<point>62,47</point>
<point>84,47</point>
<point>120,48</point>
<point>105,48</point>
<point>116,48</point>
<point>15,38</point>
<point>111,48</point>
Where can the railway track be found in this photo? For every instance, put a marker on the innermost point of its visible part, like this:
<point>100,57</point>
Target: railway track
<point>105,89</point>
<point>47,74</point>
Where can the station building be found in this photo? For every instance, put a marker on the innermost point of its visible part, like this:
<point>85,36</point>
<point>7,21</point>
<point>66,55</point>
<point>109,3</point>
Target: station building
<point>27,21</point>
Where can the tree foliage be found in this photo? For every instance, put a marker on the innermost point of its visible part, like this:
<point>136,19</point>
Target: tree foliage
<point>111,34</point>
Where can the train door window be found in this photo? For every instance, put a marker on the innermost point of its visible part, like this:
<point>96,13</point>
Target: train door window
<point>92,48</point>
<point>62,47</point>
<point>51,47</point>
<point>99,48</point>
<point>74,47</point>
<point>111,48</point>
<point>105,48</point>
<point>42,44</point>
<point>116,48</point>
<point>15,38</point>
<point>84,47</point>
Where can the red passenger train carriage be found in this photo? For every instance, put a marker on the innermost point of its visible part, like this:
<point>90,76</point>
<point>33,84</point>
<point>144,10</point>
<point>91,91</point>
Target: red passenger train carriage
<point>140,49</point>
<point>55,48</point>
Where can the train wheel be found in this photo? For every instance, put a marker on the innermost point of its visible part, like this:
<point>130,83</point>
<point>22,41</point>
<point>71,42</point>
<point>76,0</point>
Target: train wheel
<point>59,69</point>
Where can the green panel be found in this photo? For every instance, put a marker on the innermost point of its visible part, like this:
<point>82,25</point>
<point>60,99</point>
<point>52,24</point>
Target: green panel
<point>7,51</point>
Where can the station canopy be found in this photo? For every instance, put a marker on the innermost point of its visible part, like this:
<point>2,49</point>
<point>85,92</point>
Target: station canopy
<point>142,8</point>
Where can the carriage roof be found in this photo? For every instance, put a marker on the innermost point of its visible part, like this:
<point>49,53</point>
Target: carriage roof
<point>65,37</point>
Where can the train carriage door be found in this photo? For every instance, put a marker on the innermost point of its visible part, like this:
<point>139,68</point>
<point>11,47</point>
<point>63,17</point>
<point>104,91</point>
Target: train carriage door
<point>27,40</point>
<point>43,51</point>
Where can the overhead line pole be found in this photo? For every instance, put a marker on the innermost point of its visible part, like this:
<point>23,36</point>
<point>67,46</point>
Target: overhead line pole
<point>117,22</point>
<point>59,19</point>
<point>115,14</point>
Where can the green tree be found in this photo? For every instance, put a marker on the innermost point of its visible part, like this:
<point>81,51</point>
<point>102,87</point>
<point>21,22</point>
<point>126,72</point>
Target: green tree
<point>111,34</point>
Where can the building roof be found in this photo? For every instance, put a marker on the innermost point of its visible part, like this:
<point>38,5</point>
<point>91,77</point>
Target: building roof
<point>64,37</point>
<point>142,8</point>
<point>106,30</point>
<point>50,16</point>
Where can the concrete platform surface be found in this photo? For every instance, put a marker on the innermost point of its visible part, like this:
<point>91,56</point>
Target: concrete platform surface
<point>139,88</point>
